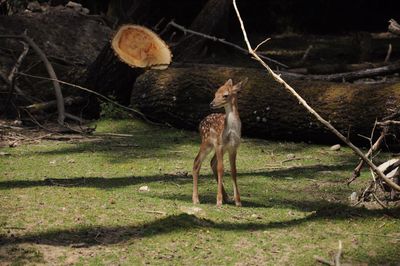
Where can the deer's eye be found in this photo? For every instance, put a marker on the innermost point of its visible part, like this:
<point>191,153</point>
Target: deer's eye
<point>225,96</point>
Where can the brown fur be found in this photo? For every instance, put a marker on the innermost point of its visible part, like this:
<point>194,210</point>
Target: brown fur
<point>220,132</point>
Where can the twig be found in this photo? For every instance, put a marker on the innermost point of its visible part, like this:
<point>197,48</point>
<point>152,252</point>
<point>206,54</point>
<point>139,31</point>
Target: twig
<point>156,212</point>
<point>19,62</point>
<point>11,76</point>
<point>50,70</point>
<point>97,94</point>
<point>16,88</point>
<point>74,117</point>
<point>374,147</point>
<point>389,53</point>
<point>310,109</point>
<point>261,43</point>
<point>290,159</point>
<point>338,254</point>
<point>215,39</point>
<point>306,53</point>
<point>379,201</point>
<point>324,261</point>
<point>37,122</point>
<point>114,134</point>
<point>389,122</point>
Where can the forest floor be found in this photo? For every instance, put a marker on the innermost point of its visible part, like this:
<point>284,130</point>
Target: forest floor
<point>82,201</point>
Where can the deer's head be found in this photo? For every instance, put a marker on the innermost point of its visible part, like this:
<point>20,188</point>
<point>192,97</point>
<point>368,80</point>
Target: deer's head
<point>225,93</point>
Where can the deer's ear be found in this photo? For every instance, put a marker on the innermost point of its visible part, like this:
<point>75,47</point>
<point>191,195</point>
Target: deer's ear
<point>228,83</point>
<point>239,85</point>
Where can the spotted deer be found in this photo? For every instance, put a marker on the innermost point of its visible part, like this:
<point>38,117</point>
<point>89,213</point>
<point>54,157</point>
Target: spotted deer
<point>220,132</point>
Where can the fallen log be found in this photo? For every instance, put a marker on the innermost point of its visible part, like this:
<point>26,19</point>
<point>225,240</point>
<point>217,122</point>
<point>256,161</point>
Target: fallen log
<point>181,97</point>
<point>352,75</point>
<point>132,50</point>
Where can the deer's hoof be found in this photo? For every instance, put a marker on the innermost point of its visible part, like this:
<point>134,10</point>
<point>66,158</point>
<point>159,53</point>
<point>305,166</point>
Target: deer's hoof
<point>238,204</point>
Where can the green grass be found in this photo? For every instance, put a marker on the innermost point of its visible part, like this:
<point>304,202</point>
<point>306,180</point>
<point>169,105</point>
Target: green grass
<point>78,202</point>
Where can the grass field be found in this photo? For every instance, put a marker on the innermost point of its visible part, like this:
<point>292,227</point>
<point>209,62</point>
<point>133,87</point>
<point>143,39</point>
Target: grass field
<point>78,202</point>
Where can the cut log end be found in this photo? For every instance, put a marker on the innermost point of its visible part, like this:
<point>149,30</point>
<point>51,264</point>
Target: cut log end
<point>140,47</point>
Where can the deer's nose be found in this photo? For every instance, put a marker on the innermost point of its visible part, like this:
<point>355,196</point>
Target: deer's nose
<point>212,104</point>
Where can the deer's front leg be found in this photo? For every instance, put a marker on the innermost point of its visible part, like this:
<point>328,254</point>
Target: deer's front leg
<point>213,165</point>
<point>232,161</point>
<point>220,169</point>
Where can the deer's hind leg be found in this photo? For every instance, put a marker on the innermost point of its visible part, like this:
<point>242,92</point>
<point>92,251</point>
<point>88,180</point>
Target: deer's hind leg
<point>232,161</point>
<point>204,151</point>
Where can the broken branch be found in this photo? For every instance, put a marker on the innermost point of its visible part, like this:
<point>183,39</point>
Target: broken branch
<point>11,76</point>
<point>310,109</point>
<point>373,148</point>
<point>394,27</point>
<point>215,39</point>
<point>50,70</point>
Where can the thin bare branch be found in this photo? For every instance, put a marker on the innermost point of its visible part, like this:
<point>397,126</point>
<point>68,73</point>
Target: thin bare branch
<point>388,123</point>
<point>373,148</point>
<point>324,261</point>
<point>306,53</point>
<point>389,53</point>
<point>310,109</point>
<point>11,77</point>
<point>215,39</point>
<point>50,70</point>
<point>261,43</point>
<point>19,62</point>
<point>339,254</point>
<point>97,94</point>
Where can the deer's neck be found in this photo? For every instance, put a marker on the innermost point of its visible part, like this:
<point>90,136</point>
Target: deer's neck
<point>232,120</point>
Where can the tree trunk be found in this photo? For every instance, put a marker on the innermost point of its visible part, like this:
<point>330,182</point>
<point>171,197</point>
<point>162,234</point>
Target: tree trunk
<point>110,77</point>
<point>181,97</point>
<point>213,18</point>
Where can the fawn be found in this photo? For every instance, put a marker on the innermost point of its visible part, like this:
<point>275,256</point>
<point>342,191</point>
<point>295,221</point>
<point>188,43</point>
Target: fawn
<point>221,132</point>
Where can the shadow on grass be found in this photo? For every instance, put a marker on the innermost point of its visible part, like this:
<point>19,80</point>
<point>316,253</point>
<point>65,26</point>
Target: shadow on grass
<point>98,235</point>
<point>142,141</point>
<point>95,182</point>
<point>116,182</point>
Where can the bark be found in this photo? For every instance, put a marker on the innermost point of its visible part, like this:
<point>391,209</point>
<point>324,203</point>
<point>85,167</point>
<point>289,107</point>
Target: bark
<point>61,33</point>
<point>181,96</point>
<point>109,76</point>
<point>353,75</point>
<point>212,18</point>
<point>70,41</point>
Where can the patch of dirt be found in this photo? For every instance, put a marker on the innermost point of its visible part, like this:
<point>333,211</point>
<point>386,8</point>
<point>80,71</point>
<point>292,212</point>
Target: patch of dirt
<point>13,134</point>
<point>20,255</point>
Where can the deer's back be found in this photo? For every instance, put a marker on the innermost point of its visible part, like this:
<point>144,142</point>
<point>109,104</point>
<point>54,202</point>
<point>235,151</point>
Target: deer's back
<point>212,124</point>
